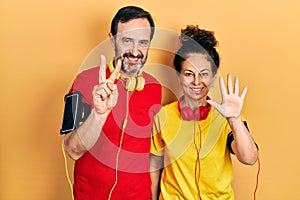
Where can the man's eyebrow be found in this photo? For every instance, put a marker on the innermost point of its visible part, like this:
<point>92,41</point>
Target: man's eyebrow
<point>126,37</point>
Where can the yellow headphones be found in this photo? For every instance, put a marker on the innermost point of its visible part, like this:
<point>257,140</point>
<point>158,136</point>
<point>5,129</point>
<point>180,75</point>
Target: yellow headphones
<point>131,83</point>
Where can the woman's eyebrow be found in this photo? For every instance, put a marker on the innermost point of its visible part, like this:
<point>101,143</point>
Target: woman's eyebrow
<point>202,70</point>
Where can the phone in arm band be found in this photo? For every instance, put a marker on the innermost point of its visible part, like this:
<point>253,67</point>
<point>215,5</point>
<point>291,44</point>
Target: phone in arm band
<point>75,111</point>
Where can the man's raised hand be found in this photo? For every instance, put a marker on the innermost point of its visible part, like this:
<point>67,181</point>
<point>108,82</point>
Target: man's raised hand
<point>105,94</point>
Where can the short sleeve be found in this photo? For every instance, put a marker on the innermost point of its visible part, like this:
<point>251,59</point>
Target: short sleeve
<point>157,143</point>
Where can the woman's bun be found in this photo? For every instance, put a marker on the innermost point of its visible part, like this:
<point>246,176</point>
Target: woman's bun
<point>193,33</point>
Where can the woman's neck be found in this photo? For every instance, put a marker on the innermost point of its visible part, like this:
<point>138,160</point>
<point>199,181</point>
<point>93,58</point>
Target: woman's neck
<point>193,104</point>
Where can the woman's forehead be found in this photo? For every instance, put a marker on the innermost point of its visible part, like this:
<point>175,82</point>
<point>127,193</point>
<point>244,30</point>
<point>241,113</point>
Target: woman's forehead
<point>197,62</point>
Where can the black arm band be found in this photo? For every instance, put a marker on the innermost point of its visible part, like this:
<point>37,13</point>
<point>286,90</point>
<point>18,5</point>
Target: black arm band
<point>230,139</point>
<point>75,111</point>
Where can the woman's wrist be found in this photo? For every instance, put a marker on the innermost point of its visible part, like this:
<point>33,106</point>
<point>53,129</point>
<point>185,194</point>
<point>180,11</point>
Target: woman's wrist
<point>234,120</point>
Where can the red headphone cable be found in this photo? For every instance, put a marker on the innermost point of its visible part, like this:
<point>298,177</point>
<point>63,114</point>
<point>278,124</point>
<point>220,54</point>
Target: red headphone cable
<point>197,178</point>
<point>257,176</point>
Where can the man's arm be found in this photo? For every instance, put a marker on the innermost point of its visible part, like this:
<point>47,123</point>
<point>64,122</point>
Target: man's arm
<point>105,97</point>
<point>73,145</point>
<point>84,137</point>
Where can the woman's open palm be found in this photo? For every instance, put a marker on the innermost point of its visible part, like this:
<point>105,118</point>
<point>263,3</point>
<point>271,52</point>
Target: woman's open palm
<point>232,103</point>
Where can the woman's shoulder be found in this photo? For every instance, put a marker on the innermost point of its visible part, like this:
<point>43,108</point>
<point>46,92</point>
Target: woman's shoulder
<point>170,109</point>
<point>173,106</point>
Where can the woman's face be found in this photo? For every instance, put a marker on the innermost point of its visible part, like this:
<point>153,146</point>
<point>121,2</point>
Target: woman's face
<point>196,77</point>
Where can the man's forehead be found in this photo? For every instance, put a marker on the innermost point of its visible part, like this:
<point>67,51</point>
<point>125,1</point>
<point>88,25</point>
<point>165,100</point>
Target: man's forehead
<point>134,28</point>
<point>136,33</point>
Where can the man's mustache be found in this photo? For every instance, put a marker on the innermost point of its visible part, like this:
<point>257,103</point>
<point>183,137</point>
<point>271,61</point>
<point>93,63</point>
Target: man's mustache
<point>130,55</point>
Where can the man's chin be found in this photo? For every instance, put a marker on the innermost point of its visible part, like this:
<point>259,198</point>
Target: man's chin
<point>131,69</point>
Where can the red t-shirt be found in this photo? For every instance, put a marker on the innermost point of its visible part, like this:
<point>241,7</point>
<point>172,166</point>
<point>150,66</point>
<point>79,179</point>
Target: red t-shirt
<point>95,171</point>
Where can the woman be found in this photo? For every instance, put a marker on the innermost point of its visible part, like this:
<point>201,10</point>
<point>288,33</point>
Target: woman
<point>193,137</point>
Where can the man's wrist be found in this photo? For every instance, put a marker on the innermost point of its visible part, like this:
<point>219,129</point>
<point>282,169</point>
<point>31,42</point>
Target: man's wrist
<point>90,130</point>
<point>101,118</point>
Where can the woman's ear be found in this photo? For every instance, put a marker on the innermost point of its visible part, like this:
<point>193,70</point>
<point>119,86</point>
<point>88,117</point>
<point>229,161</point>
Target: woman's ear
<point>179,77</point>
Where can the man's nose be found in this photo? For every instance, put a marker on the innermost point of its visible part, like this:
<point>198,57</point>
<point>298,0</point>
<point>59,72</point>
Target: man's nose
<point>135,49</point>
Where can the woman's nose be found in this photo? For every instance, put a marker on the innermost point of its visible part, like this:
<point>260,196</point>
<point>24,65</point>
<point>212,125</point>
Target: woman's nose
<point>197,79</point>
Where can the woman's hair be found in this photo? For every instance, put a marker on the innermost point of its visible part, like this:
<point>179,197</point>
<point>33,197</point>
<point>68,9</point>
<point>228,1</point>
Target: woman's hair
<point>128,13</point>
<point>196,40</point>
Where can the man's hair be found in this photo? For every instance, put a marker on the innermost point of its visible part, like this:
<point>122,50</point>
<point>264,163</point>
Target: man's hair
<point>128,13</point>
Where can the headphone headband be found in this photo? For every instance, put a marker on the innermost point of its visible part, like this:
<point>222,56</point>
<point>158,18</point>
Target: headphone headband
<point>131,83</point>
<point>111,68</point>
<point>188,114</point>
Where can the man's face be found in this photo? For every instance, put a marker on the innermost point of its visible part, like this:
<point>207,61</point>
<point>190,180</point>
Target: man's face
<point>131,44</point>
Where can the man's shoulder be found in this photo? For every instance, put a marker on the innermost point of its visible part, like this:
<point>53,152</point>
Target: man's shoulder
<point>86,79</point>
<point>149,78</point>
<point>94,71</point>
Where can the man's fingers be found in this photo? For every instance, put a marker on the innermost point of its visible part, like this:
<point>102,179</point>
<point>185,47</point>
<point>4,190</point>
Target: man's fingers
<point>101,92</point>
<point>106,91</point>
<point>102,70</point>
<point>112,99</point>
<point>115,73</point>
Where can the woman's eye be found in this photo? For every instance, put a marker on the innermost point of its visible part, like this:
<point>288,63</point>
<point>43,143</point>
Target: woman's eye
<point>204,74</point>
<point>189,74</point>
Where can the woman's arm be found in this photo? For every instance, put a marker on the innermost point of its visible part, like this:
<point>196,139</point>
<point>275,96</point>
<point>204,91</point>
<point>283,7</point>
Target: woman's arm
<point>243,144</point>
<point>156,166</point>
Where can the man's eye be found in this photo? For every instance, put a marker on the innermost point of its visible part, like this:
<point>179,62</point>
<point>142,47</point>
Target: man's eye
<point>144,43</point>
<point>126,41</point>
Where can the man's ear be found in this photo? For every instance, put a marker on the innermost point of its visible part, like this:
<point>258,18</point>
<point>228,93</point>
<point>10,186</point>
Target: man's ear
<point>112,40</point>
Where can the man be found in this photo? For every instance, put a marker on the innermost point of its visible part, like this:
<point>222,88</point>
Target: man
<point>111,147</point>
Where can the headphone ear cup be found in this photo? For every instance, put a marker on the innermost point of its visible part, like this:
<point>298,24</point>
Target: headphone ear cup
<point>187,114</point>
<point>140,83</point>
<point>130,84</point>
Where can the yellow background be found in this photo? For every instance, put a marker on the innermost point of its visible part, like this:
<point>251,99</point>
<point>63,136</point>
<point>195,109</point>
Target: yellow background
<point>42,46</point>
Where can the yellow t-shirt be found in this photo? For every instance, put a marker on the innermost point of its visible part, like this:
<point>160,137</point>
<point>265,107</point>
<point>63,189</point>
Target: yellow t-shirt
<point>185,174</point>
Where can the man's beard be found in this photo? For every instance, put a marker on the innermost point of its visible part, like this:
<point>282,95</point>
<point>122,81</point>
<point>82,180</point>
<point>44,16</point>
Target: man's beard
<point>132,68</point>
